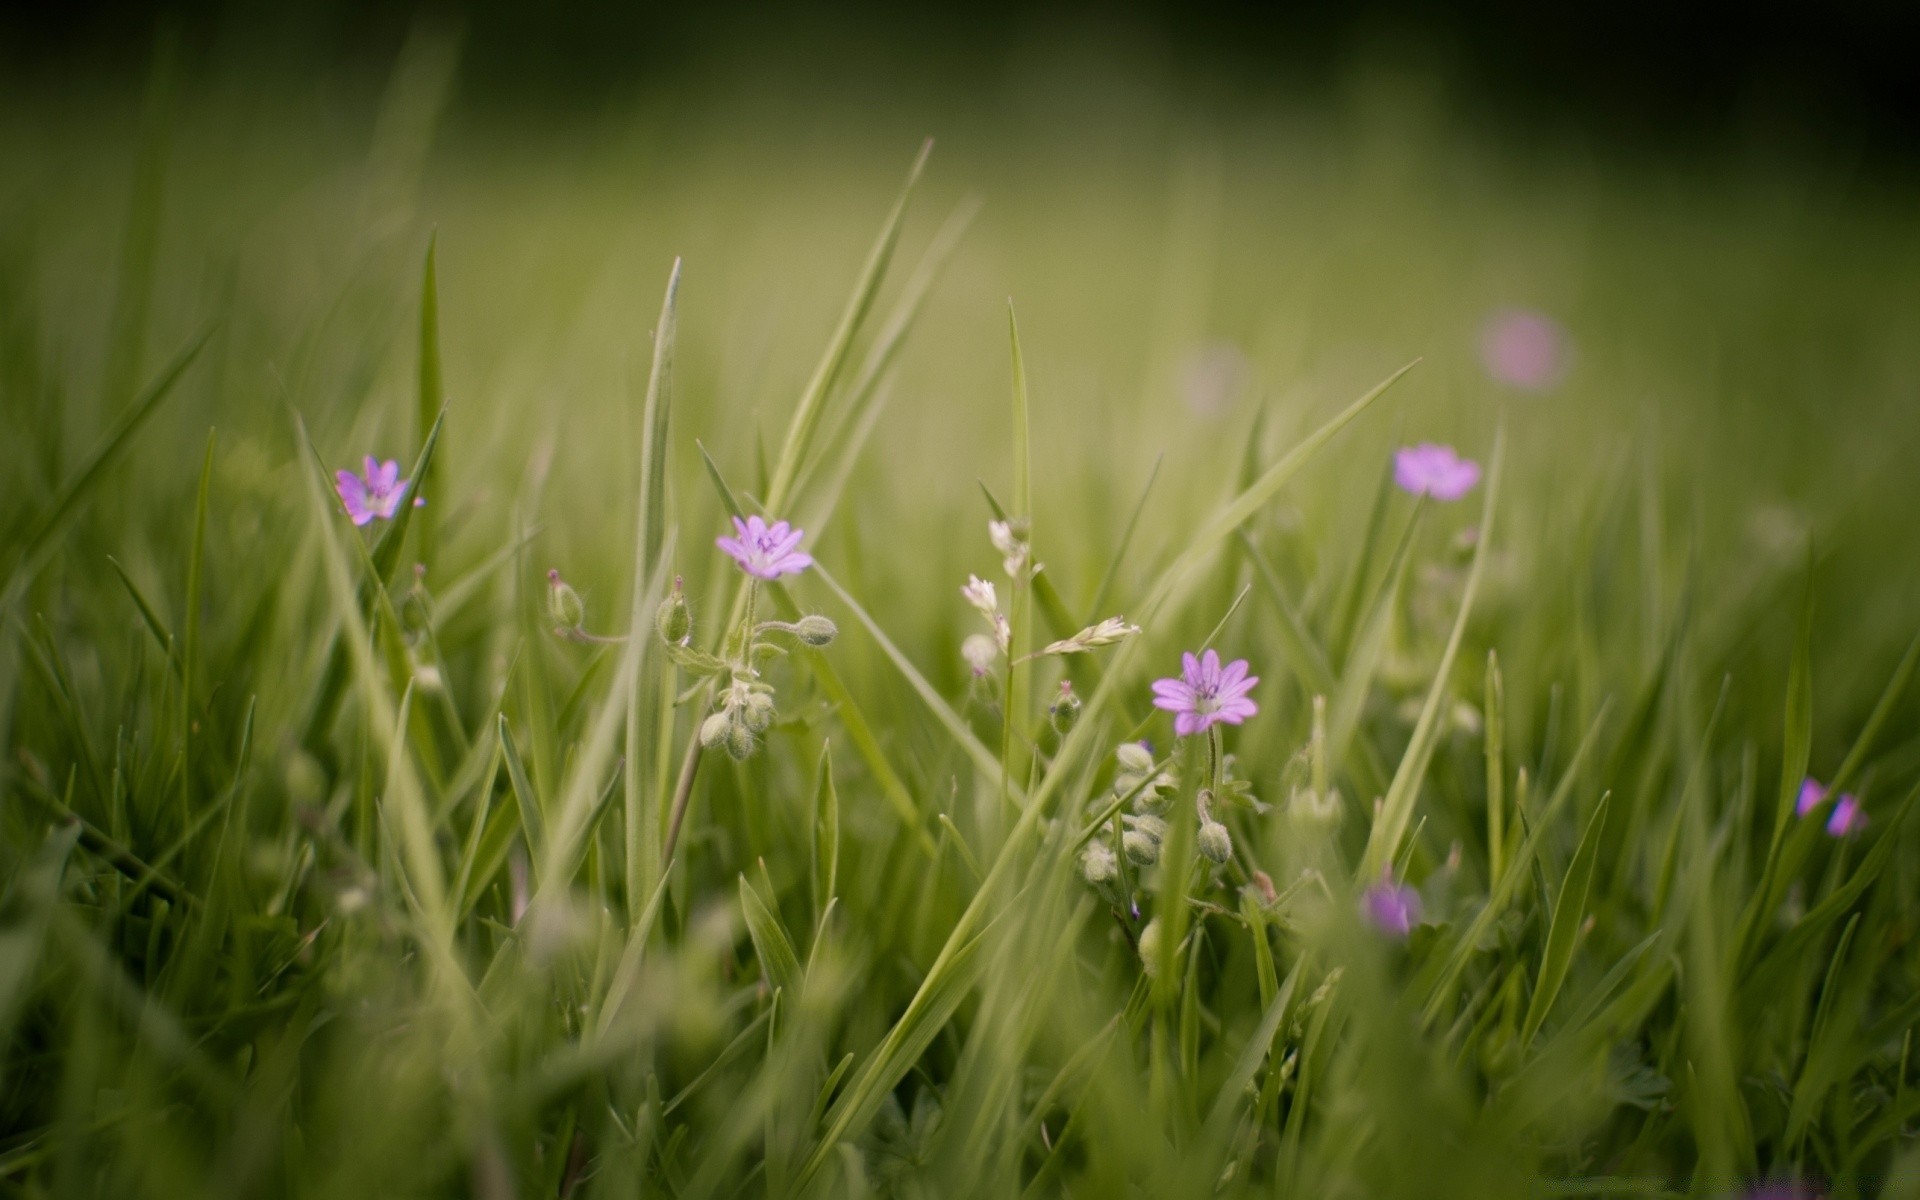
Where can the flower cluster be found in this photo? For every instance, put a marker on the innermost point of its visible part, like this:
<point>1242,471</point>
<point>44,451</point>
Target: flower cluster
<point>982,650</point>
<point>742,703</point>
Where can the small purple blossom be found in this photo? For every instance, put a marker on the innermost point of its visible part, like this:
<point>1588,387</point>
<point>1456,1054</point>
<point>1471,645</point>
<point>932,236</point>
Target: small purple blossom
<point>766,551</point>
<point>1434,470</point>
<point>1392,908</point>
<point>376,492</point>
<point>1524,349</point>
<point>1206,693</point>
<point>1848,818</point>
<point>1812,794</point>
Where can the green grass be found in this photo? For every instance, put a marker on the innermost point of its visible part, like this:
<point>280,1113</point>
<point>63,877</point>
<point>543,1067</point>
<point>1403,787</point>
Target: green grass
<point>329,869</point>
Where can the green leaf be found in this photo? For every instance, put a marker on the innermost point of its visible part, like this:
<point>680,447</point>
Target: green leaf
<point>778,961</point>
<point>1569,910</point>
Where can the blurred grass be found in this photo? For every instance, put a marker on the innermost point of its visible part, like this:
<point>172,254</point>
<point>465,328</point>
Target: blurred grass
<point>419,948</point>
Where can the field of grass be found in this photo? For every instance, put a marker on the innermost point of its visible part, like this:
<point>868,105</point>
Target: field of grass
<point>363,861</point>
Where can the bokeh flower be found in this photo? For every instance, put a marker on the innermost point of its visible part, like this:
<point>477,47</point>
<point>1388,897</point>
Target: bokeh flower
<point>1206,693</point>
<point>1392,908</point>
<point>375,492</point>
<point>765,551</point>
<point>1847,816</point>
<point>1433,470</point>
<point>1524,349</point>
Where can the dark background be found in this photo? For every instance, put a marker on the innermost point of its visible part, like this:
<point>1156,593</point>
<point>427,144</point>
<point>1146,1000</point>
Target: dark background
<point>1840,77</point>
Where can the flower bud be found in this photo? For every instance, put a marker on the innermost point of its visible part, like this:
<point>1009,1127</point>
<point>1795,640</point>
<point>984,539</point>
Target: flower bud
<point>1150,947</point>
<point>563,603</point>
<point>757,712</point>
<point>1098,864</point>
<point>1135,759</point>
<point>713,731</point>
<point>739,741</point>
<point>1215,842</point>
<point>673,619</point>
<point>1141,850</point>
<point>815,630</point>
<point>1065,709</point>
<point>980,651</point>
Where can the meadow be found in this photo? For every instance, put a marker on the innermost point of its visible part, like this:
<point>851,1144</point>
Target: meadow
<point>527,842</point>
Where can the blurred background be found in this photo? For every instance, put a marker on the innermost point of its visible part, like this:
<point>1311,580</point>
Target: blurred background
<point>1675,245</point>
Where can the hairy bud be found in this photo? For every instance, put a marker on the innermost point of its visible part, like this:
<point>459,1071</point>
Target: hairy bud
<point>1135,759</point>
<point>1215,842</point>
<point>1142,851</point>
<point>757,712</point>
<point>739,741</point>
<point>1065,709</point>
<point>815,630</point>
<point>713,731</point>
<point>1098,864</point>
<point>563,603</point>
<point>673,620</point>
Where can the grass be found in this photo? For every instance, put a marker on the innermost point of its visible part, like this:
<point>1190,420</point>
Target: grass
<point>329,869</point>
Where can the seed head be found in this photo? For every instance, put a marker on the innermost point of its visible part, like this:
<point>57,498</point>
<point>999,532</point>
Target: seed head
<point>673,619</point>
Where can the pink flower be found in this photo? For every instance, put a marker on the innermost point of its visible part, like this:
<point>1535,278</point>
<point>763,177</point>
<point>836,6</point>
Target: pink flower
<point>765,551</point>
<point>1848,818</point>
<point>1206,693</point>
<point>1812,795</point>
<point>1524,349</point>
<point>1393,908</point>
<point>1433,470</point>
<point>375,492</point>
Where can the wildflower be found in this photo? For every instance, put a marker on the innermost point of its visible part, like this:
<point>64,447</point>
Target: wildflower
<point>1812,794</point>
<point>765,551</point>
<point>980,593</point>
<point>1012,545</point>
<point>1206,693</point>
<point>375,492</point>
<point>979,650</point>
<point>1393,908</point>
<point>1433,470</point>
<point>1106,633</point>
<point>1848,818</point>
<point>1524,349</point>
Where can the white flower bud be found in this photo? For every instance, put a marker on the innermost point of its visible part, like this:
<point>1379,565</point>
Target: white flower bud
<point>713,731</point>
<point>1135,759</point>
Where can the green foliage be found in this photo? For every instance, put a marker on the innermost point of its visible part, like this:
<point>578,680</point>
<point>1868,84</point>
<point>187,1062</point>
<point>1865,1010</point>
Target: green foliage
<point>313,880</point>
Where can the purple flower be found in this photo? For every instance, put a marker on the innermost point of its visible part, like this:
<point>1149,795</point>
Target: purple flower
<point>1848,818</point>
<point>1393,908</point>
<point>765,551</point>
<point>1206,693</point>
<point>1812,794</point>
<point>1524,349</point>
<point>1433,470</point>
<point>375,492</point>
